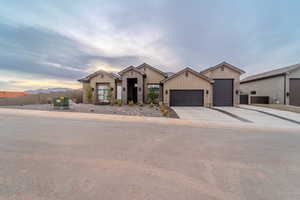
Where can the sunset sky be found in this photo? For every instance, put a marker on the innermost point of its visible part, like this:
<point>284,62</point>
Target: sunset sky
<point>53,43</point>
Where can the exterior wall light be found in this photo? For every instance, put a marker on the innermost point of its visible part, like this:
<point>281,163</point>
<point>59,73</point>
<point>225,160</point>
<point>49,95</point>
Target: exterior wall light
<point>166,91</point>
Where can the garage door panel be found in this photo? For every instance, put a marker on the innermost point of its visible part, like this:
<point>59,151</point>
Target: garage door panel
<point>186,97</point>
<point>223,92</point>
<point>295,92</point>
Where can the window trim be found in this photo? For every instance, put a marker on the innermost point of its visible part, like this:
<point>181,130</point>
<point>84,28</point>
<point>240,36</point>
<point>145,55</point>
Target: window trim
<point>157,90</point>
<point>97,92</point>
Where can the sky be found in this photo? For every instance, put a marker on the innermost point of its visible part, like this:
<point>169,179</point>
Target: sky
<point>53,43</point>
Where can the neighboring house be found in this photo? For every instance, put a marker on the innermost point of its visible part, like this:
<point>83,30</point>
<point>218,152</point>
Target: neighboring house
<point>280,86</point>
<point>218,86</point>
<point>6,94</point>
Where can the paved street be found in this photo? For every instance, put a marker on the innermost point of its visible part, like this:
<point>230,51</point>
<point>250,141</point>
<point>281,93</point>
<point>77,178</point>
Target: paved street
<point>75,156</point>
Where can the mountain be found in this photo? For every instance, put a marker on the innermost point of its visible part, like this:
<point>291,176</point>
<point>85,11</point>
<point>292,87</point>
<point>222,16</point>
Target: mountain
<point>48,90</point>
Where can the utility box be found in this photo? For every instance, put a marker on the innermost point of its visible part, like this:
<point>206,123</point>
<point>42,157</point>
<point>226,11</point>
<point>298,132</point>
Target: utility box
<point>61,103</point>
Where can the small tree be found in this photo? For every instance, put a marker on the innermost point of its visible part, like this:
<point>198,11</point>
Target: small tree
<point>89,94</point>
<point>152,96</point>
<point>109,95</point>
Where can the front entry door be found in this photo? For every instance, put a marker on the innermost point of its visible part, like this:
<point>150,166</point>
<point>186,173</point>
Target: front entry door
<point>132,90</point>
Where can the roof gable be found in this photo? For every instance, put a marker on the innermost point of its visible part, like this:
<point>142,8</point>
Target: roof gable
<point>127,69</point>
<point>191,71</point>
<point>152,68</point>
<point>89,77</point>
<point>223,64</point>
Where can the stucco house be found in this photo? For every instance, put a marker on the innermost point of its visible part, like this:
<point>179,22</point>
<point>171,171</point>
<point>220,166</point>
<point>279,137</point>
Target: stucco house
<point>279,86</point>
<point>215,86</point>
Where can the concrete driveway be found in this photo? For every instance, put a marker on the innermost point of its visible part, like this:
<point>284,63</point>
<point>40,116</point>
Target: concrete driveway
<point>236,116</point>
<point>202,114</point>
<point>286,114</point>
<point>75,156</point>
<point>260,119</point>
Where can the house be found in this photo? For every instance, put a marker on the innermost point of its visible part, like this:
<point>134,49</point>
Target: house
<point>217,86</point>
<point>7,94</point>
<point>279,86</point>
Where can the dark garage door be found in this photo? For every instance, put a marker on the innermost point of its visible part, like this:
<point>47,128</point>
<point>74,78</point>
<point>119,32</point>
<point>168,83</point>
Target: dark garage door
<point>186,97</point>
<point>260,100</point>
<point>223,92</point>
<point>295,92</point>
<point>244,99</point>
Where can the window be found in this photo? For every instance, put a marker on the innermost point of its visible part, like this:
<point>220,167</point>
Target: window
<point>103,91</point>
<point>153,91</point>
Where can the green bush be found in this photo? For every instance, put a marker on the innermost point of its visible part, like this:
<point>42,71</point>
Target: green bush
<point>152,96</point>
<point>131,103</point>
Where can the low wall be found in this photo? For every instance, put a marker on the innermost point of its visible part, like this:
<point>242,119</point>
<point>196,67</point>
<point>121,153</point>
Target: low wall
<point>41,98</point>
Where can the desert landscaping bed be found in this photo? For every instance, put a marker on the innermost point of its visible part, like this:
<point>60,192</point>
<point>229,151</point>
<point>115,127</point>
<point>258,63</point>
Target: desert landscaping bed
<point>133,110</point>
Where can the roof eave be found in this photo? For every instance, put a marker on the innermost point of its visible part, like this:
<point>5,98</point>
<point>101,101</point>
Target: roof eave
<point>262,78</point>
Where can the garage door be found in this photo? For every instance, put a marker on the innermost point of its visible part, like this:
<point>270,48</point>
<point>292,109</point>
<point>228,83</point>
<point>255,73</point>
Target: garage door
<point>223,92</point>
<point>244,99</point>
<point>186,97</point>
<point>295,92</point>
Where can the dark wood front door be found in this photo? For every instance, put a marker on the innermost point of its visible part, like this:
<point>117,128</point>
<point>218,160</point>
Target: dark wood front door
<point>132,90</point>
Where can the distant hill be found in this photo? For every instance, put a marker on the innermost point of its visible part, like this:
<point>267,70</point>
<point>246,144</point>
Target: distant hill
<point>48,90</point>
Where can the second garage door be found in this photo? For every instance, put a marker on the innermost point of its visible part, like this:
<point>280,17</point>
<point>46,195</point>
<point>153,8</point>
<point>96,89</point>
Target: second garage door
<point>295,92</point>
<point>186,97</point>
<point>223,92</point>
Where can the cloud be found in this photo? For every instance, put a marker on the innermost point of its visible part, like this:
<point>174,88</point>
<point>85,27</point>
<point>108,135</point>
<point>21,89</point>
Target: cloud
<point>65,41</point>
<point>38,50</point>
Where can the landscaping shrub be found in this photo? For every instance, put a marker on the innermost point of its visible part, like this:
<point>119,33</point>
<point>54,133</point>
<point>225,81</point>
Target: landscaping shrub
<point>152,96</point>
<point>130,103</point>
<point>89,94</point>
<point>166,113</point>
<point>151,105</point>
<point>119,102</point>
